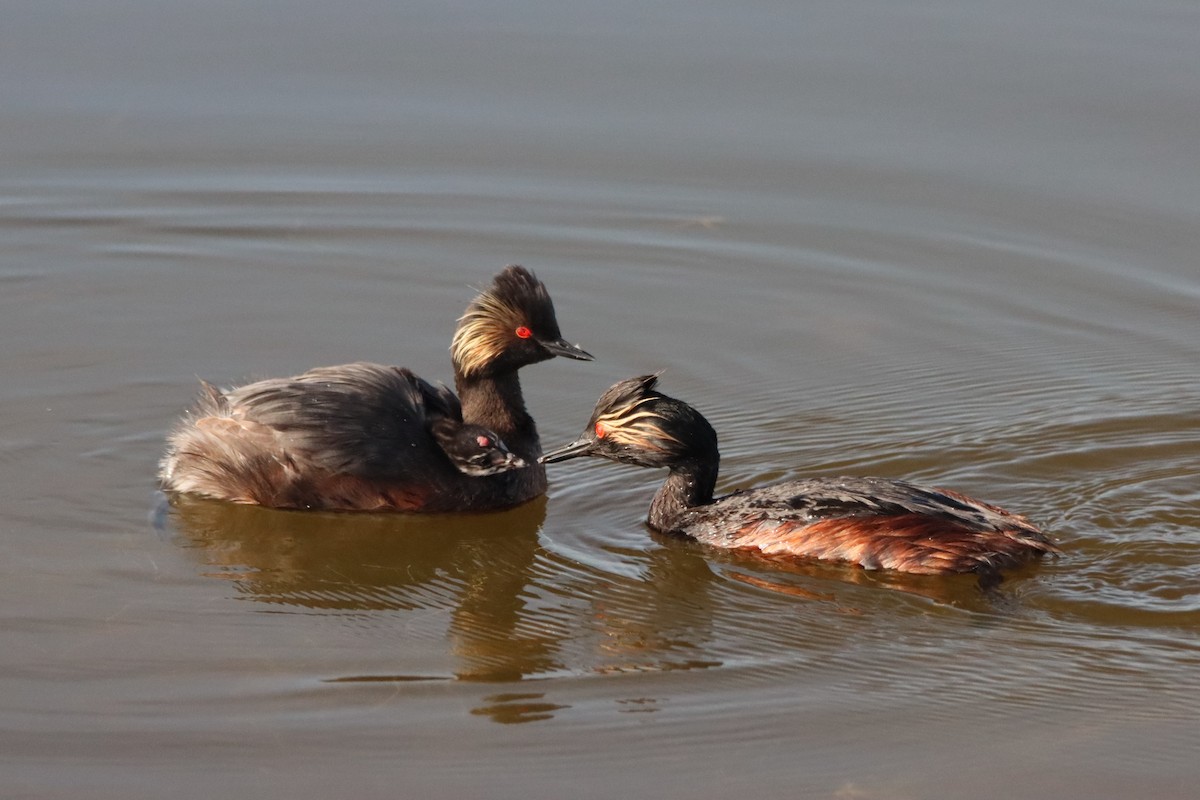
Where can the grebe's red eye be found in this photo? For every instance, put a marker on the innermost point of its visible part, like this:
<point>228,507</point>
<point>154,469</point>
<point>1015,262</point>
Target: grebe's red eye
<point>601,430</point>
<point>523,332</point>
<point>483,441</point>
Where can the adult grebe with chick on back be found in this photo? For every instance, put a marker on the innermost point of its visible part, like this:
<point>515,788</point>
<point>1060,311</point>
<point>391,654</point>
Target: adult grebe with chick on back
<point>370,437</point>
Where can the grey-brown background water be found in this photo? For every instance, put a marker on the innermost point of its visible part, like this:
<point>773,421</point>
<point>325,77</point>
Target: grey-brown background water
<point>949,241</point>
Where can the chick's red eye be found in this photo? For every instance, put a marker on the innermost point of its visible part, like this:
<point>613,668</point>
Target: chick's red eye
<point>524,332</point>
<point>601,431</point>
<point>483,441</point>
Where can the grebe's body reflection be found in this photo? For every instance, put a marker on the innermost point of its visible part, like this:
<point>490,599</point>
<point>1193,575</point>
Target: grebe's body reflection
<point>516,610</point>
<point>477,566</point>
<point>485,598</point>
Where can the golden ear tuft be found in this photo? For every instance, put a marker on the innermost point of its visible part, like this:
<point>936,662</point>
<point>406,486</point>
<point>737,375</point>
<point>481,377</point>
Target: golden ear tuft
<point>636,423</point>
<point>483,333</point>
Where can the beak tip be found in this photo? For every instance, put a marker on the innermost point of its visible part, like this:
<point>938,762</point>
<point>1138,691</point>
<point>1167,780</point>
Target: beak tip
<point>581,447</point>
<point>562,347</point>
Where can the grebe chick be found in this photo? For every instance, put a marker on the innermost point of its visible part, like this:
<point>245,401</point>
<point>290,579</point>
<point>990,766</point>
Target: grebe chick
<point>476,451</point>
<point>875,523</point>
<point>369,437</point>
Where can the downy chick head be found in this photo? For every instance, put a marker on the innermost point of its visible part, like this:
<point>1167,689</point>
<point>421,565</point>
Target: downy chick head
<point>474,450</point>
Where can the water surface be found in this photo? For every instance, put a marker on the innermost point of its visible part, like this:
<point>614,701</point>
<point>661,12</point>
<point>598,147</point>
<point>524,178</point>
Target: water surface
<point>949,242</point>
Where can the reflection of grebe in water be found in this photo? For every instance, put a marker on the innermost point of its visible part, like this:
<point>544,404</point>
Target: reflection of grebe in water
<point>513,610</point>
<point>478,568</point>
<point>872,522</point>
<point>373,437</point>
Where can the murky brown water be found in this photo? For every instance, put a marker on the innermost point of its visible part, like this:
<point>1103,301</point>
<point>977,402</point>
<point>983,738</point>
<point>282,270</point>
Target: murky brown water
<point>955,243</point>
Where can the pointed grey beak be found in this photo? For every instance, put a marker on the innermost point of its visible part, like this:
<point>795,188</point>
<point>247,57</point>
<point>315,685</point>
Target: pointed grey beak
<point>561,347</point>
<point>579,447</point>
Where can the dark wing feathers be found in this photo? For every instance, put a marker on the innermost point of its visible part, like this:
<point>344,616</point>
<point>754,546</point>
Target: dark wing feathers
<point>874,522</point>
<point>355,419</point>
<point>440,401</point>
<point>824,498</point>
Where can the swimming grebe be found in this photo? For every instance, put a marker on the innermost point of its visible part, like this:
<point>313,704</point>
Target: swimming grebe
<point>368,437</point>
<point>873,522</point>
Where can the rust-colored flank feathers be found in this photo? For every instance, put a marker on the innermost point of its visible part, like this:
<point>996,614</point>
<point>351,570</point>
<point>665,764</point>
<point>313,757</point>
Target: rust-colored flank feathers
<point>370,437</point>
<point>875,523</point>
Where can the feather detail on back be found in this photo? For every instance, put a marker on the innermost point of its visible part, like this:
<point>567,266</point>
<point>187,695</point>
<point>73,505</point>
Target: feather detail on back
<point>873,522</point>
<point>333,437</point>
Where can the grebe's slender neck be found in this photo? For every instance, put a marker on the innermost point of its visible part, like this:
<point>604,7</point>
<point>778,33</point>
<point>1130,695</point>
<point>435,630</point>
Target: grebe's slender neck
<point>496,402</point>
<point>689,484</point>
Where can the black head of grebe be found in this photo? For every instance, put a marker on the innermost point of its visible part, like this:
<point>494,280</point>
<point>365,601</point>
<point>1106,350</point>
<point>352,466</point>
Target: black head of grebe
<point>876,523</point>
<point>508,326</point>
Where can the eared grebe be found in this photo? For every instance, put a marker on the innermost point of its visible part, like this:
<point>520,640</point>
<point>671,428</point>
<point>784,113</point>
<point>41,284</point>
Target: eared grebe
<point>372,437</point>
<point>873,522</point>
